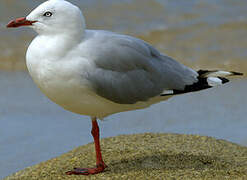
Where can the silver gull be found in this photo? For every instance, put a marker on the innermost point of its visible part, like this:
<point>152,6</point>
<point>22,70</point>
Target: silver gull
<point>99,73</point>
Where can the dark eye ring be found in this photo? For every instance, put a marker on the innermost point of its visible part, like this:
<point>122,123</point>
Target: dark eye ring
<point>47,14</point>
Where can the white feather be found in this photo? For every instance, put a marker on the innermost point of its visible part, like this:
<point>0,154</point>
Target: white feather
<point>214,81</point>
<point>219,74</point>
<point>167,92</point>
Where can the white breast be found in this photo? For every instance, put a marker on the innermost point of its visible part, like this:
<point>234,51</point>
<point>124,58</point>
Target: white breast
<point>61,81</point>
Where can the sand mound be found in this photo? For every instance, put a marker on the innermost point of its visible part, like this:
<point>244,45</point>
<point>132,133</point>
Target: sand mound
<point>146,156</point>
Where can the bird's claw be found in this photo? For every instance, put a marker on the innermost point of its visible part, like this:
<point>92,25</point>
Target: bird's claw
<point>87,171</point>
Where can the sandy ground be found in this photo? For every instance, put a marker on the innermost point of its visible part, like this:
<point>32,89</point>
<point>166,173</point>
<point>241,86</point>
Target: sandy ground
<point>146,156</point>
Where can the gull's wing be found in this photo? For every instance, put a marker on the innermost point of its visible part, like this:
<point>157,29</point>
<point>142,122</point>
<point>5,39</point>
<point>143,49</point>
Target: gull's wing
<point>128,70</point>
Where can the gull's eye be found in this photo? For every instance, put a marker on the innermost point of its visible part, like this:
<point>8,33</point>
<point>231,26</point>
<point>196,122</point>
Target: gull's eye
<point>47,14</point>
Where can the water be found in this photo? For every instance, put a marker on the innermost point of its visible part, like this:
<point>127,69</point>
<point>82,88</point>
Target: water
<point>201,34</point>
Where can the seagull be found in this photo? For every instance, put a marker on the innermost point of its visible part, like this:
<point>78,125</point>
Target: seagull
<point>98,73</point>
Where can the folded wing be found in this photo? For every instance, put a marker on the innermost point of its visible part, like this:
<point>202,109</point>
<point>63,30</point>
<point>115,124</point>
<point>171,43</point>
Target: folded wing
<point>129,70</point>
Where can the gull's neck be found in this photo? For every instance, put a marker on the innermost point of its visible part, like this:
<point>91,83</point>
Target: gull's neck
<point>58,45</point>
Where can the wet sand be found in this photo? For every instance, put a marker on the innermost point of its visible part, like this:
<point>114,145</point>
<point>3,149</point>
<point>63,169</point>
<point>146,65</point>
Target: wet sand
<point>146,156</point>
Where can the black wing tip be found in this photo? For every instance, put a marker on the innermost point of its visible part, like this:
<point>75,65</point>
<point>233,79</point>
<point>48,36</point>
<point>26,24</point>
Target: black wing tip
<point>202,82</point>
<point>200,85</point>
<point>237,73</point>
<point>224,80</point>
<point>201,72</point>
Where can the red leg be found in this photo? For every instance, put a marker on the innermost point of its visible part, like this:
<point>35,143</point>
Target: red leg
<point>100,165</point>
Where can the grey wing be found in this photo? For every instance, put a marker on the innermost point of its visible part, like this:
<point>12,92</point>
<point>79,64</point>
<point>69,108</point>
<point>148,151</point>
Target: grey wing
<point>128,70</point>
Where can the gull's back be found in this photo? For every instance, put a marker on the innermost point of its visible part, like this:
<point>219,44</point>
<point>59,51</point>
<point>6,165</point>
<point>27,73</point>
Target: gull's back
<point>128,70</point>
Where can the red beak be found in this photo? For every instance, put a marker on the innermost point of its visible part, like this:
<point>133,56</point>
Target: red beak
<point>20,22</point>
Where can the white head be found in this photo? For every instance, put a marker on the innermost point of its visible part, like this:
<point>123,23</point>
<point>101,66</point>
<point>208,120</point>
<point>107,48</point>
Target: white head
<point>53,17</point>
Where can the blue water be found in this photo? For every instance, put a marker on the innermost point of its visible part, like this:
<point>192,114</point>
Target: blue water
<point>33,129</point>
